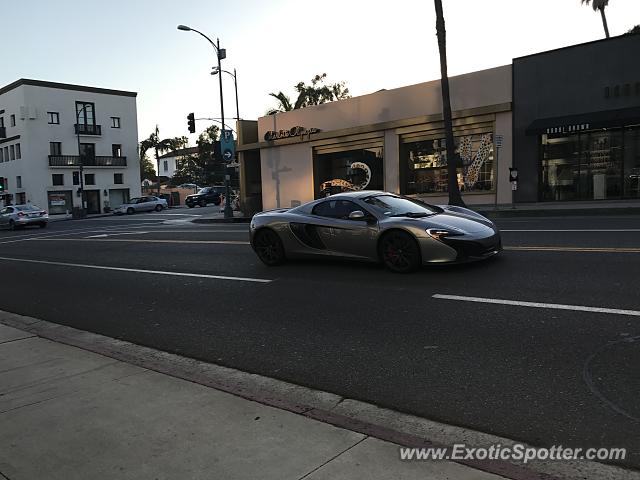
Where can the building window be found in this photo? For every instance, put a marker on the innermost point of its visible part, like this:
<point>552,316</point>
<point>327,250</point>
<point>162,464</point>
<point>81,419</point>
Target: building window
<point>166,165</point>
<point>53,118</point>
<point>1,122</point>
<point>59,202</point>
<point>6,154</point>
<point>1,155</point>
<point>18,151</point>
<point>12,120</point>
<point>89,179</point>
<point>357,169</point>
<point>118,178</point>
<point>57,179</point>
<point>88,151</point>
<point>85,112</point>
<point>424,165</point>
<point>19,181</point>
<point>115,122</point>
<point>55,148</point>
<point>76,178</point>
<point>12,152</point>
<point>116,150</point>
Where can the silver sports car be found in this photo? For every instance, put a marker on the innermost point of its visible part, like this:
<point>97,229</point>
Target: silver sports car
<point>402,233</point>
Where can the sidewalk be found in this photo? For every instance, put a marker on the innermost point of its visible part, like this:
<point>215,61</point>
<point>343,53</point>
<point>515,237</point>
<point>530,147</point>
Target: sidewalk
<point>67,413</point>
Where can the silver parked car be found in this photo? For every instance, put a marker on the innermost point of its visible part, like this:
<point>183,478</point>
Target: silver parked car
<point>18,216</point>
<point>142,204</point>
<point>402,233</point>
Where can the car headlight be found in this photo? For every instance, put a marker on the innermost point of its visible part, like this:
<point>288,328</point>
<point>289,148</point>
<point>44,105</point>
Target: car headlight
<point>440,233</point>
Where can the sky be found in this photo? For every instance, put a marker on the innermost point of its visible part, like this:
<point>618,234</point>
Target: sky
<point>369,44</point>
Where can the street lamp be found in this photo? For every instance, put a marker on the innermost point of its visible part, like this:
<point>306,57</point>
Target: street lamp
<point>221,53</point>
<point>215,71</point>
<point>80,158</point>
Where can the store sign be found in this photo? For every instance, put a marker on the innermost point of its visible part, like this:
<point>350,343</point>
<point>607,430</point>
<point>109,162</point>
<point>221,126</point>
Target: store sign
<point>292,132</point>
<point>568,128</point>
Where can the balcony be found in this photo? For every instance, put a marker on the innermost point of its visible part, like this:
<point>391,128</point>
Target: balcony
<point>87,129</point>
<point>97,161</point>
<point>3,132</point>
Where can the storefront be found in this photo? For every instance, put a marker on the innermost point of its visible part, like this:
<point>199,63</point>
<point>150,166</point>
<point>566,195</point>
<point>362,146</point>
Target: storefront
<point>390,140</point>
<point>577,122</point>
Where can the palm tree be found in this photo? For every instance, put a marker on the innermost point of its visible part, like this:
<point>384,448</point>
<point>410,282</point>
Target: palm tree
<point>315,94</point>
<point>599,5</point>
<point>168,144</point>
<point>452,158</point>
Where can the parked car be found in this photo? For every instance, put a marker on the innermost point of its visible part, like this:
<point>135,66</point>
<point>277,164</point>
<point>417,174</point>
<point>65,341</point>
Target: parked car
<point>205,196</point>
<point>18,216</point>
<point>142,204</point>
<point>401,233</point>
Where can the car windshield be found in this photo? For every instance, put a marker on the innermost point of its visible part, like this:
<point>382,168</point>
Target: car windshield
<point>392,206</point>
<point>204,190</point>
<point>27,208</point>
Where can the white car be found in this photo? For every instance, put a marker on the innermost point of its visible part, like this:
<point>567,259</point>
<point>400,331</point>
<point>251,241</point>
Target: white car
<point>142,204</point>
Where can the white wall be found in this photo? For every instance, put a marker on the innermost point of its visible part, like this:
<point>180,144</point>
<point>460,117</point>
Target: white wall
<point>36,134</point>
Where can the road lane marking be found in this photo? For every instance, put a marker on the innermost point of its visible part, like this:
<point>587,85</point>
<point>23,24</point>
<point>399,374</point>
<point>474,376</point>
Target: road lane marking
<point>104,235</point>
<point>556,306</point>
<point>140,240</point>
<point>590,230</point>
<point>35,236</point>
<point>534,248</point>
<point>136,270</point>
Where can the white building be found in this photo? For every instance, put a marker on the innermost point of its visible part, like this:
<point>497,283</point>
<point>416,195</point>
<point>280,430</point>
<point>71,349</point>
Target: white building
<point>169,162</point>
<point>49,127</point>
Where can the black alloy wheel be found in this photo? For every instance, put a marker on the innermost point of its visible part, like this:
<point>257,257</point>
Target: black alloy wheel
<point>399,252</point>
<point>268,247</point>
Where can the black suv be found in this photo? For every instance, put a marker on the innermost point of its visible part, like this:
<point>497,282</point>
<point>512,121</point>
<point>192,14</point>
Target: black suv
<point>205,196</point>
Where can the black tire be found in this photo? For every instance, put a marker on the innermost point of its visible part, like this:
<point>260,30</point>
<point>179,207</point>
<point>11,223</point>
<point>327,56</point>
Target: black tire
<point>130,211</point>
<point>43,225</point>
<point>12,225</point>
<point>399,252</point>
<point>190,205</point>
<point>268,247</point>
<point>203,203</point>
<point>159,208</point>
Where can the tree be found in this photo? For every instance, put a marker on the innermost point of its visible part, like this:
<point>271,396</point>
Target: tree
<point>452,158</point>
<point>316,93</point>
<point>159,146</point>
<point>599,5</point>
<point>634,31</point>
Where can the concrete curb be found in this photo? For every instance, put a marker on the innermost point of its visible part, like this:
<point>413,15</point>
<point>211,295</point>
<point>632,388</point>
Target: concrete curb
<point>395,427</point>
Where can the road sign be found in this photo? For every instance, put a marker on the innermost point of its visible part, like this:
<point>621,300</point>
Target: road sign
<point>227,145</point>
<point>498,139</point>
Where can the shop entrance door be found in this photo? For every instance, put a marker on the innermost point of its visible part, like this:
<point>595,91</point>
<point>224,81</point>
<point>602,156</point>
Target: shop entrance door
<point>93,201</point>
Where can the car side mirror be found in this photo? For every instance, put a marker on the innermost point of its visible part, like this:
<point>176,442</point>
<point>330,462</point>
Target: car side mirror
<point>357,215</point>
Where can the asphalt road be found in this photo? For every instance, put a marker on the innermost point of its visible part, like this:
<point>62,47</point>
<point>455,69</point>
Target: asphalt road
<point>553,375</point>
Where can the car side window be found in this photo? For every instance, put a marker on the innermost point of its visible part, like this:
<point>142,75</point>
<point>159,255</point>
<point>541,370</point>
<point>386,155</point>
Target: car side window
<point>335,209</point>
<point>4,211</point>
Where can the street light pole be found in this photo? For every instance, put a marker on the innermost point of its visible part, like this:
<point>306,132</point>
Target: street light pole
<point>228,211</point>
<point>80,160</point>
<point>216,71</point>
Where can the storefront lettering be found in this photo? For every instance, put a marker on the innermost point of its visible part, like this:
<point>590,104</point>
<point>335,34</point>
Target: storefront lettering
<point>292,132</point>
<point>568,128</point>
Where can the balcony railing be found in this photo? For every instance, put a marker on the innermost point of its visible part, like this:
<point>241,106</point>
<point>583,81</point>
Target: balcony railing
<point>3,132</point>
<point>97,161</point>
<point>88,129</point>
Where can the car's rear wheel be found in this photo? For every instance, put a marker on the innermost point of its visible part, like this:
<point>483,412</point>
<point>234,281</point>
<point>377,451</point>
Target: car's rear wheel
<point>158,208</point>
<point>130,211</point>
<point>399,252</point>
<point>268,247</point>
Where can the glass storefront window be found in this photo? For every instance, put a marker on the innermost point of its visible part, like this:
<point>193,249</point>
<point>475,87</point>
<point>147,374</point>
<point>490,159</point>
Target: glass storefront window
<point>360,169</point>
<point>596,165</point>
<point>424,165</point>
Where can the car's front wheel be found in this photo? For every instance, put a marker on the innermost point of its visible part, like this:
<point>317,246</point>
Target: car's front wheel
<point>130,211</point>
<point>190,205</point>
<point>158,208</point>
<point>43,225</point>
<point>12,225</point>
<point>399,252</point>
<point>203,203</point>
<point>268,247</point>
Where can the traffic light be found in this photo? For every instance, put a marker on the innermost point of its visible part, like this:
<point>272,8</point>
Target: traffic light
<point>191,122</point>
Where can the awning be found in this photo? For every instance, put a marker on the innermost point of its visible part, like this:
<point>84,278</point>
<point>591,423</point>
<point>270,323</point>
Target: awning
<point>585,121</point>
